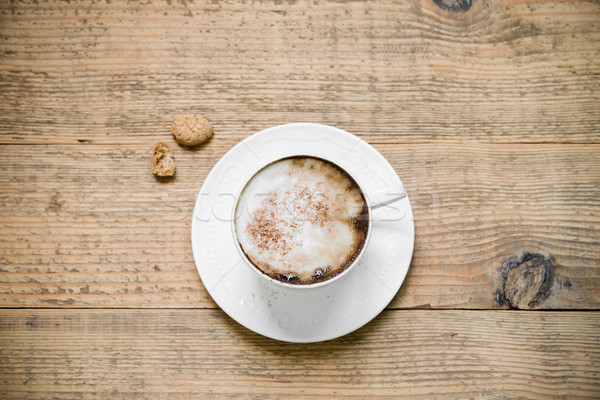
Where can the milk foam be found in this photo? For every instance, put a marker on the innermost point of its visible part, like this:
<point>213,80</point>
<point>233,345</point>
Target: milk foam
<point>296,220</point>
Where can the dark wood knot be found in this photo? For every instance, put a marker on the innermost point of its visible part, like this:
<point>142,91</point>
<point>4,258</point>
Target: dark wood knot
<point>454,6</point>
<point>527,280</point>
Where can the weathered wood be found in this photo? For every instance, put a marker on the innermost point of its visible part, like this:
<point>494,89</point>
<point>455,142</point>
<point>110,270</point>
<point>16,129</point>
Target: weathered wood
<point>175,354</point>
<point>392,71</point>
<point>487,109</point>
<point>91,226</point>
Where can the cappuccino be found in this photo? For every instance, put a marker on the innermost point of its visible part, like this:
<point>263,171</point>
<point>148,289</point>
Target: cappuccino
<point>301,220</point>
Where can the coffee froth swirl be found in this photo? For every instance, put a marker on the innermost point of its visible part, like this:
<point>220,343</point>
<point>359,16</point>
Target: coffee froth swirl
<point>301,220</point>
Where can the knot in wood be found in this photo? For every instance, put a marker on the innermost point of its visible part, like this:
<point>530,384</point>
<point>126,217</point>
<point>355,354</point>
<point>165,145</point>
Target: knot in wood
<point>454,6</point>
<point>528,279</point>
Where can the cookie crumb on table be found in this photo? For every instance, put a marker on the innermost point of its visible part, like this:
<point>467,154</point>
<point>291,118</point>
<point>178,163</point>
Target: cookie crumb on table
<point>191,131</point>
<point>163,161</point>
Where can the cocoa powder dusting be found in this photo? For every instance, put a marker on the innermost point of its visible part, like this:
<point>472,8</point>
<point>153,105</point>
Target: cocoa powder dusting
<point>277,224</point>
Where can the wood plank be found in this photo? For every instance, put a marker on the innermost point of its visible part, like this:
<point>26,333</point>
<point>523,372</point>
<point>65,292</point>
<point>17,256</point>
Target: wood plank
<point>90,226</point>
<point>122,354</point>
<point>389,71</point>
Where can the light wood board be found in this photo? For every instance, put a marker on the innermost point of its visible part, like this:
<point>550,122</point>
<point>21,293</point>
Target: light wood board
<point>91,226</point>
<point>181,354</point>
<point>391,71</point>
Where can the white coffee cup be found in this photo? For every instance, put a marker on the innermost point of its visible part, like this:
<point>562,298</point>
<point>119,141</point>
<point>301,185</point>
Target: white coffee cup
<point>380,199</point>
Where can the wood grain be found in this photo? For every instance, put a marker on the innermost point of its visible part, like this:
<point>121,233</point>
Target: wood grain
<point>90,226</point>
<point>181,354</point>
<point>391,71</point>
<point>489,113</point>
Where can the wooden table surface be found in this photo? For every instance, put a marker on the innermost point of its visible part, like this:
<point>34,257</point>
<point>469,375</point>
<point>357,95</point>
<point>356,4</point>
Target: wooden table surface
<point>489,110</point>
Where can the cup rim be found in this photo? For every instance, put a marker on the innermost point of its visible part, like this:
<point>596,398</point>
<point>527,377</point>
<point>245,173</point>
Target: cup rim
<point>269,278</point>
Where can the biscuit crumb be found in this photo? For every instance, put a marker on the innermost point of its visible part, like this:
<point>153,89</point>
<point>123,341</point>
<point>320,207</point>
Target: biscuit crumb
<point>191,131</point>
<point>163,161</point>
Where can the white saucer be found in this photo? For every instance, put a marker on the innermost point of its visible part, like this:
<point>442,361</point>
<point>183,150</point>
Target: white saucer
<point>301,315</point>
